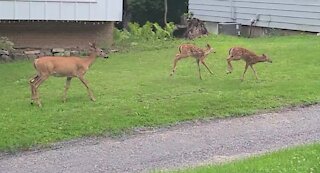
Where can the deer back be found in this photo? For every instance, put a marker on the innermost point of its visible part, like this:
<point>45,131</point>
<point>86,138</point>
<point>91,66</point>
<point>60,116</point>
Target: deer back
<point>191,50</point>
<point>60,66</point>
<point>247,55</point>
<point>239,51</point>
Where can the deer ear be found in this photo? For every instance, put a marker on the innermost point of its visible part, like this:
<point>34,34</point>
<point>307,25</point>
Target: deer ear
<point>93,45</point>
<point>208,45</point>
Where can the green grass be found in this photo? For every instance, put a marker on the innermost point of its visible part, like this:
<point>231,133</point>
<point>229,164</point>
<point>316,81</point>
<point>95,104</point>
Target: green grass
<point>134,90</point>
<point>303,159</point>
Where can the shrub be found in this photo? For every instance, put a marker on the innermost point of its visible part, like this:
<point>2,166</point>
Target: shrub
<point>149,31</point>
<point>6,44</point>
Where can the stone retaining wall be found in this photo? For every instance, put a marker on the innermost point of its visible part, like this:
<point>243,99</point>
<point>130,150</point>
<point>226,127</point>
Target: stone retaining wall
<point>20,54</point>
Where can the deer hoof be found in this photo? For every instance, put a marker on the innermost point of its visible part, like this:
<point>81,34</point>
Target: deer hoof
<point>93,99</point>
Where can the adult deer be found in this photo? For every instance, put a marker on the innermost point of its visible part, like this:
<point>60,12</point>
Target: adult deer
<point>237,53</point>
<point>59,66</point>
<point>190,50</point>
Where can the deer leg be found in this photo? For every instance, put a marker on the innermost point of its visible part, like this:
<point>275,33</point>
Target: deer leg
<point>177,58</point>
<point>88,89</point>
<point>230,68</point>
<point>245,70</point>
<point>198,63</point>
<point>37,84</point>
<point>206,66</point>
<point>31,82</point>
<point>254,71</point>
<point>68,81</point>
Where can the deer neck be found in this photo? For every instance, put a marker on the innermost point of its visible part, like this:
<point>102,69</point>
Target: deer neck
<point>260,59</point>
<point>206,52</point>
<point>91,58</point>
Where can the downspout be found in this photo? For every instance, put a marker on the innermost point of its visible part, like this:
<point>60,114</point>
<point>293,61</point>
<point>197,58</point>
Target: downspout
<point>232,11</point>
<point>253,21</point>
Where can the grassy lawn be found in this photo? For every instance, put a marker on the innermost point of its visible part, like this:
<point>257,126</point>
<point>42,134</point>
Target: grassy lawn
<point>133,89</point>
<point>303,159</point>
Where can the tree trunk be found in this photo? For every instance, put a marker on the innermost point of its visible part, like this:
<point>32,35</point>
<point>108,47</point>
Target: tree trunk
<point>125,14</point>
<point>195,28</point>
<point>165,11</point>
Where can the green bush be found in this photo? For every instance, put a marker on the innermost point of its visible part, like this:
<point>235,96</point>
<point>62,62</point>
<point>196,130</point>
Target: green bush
<point>166,32</point>
<point>6,44</point>
<point>150,36</point>
<point>149,31</point>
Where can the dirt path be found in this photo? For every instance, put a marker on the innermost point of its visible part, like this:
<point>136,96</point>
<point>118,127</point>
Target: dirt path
<point>183,145</point>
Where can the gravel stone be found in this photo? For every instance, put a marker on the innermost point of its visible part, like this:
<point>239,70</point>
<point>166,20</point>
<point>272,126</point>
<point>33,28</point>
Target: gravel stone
<point>57,50</point>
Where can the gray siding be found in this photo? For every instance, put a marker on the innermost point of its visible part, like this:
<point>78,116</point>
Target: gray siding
<point>77,10</point>
<point>284,14</point>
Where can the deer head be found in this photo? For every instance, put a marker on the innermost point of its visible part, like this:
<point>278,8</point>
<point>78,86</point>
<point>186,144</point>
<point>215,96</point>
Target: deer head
<point>209,49</point>
<point>98,51</point>
<point>265,58</point>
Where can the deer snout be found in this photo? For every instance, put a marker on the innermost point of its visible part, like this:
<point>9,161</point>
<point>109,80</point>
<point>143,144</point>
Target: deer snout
<point>104,55</point>
<point>270,60</point>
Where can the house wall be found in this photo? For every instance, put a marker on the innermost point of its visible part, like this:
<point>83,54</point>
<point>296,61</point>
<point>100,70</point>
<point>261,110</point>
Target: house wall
<point>76,10</point>
<point>282,14</point>
<point>59,23</point>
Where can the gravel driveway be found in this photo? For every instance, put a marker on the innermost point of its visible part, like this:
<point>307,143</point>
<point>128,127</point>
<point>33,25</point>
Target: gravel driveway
<point>183,145</point>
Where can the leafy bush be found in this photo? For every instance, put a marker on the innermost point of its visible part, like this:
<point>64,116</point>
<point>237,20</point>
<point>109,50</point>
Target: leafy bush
<point>149,31</point>
<point>135,30</point>
<point>150,36</point>
<point>6,44</point>
<point>120,35</point>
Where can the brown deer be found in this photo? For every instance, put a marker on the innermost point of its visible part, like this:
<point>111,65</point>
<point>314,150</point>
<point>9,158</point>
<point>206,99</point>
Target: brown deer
<point>59,66</point>
<point>237,53</point>
<point>190,50</point>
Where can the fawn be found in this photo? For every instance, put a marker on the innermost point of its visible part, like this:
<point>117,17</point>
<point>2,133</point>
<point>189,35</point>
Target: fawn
<point>190,50</point>
<point>237,53</point>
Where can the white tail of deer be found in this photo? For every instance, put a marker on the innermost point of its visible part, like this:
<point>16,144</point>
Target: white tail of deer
<point>190,50</point>
<point>237,53</point>
<point>59,66</point>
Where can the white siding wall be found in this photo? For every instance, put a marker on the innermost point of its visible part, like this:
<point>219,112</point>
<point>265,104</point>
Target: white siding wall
<point>79,10</point>
<point>284,14</point>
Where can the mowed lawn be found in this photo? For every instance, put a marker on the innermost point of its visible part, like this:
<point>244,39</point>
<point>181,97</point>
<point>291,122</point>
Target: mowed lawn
<point>134,89</point>
<point>302,159</point>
